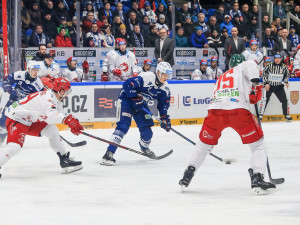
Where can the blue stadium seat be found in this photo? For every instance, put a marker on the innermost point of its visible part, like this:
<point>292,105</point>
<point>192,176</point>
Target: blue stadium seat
<point>211,12</point>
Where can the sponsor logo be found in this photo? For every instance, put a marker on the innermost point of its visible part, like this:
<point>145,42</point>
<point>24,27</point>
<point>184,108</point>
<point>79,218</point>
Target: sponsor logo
<point>205,52</point>
<point>60,53</point>
<point>274,118</point>
<point>189,63</point>
<point>212,53</point>
<point>141,53</point>
<point>188,122</point>
<point>246,135</point>
<point>269,53</point>
<point>75,103</point>
<point>88,126</point>
<point>207,135</point>
<point>52,52</point>
<point>188,101</point>
<point>106,103</point>
<point>30,52</point>
<point>185,53</point>
<point>84,53</point>
<point>234,100</point>
<point>294,96</point>
<point>186,72</point>
<point>62,63</point>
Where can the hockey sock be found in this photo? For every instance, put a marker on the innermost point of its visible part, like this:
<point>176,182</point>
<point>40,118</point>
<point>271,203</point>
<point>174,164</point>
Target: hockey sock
<point>8,151</point>
<point>146,136</point>
<point>258,160</point>
<point>51,132</point>
<point>116,137</point>
<point>199,154</point>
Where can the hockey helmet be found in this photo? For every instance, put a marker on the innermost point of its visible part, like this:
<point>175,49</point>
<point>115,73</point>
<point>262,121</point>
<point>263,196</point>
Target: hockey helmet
<point>203,62</point>
<point>62,84</point>
<point>236,59</point>
<point>298,47</point>
<point>164,67</point>
<point>33,65</point>
<point>47,82</point>
<point>70,59</point>
<point>148,62</point>
<point>117,41</point>
<point>267,59</point>
<point>122,42</point>
<point>253,42</point>
<point>277,55</point>
<point>214,59</point>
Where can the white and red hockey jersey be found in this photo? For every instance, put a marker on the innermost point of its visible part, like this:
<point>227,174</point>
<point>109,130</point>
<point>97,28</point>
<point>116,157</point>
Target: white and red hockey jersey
<point>37,107</point>
<point>214,73</point>
<point>296,64</point>
<point>199,75</point>
<point>232,89</point>
<point>126,63</point>
<point>45,70</point>
<point>251,55</point>
<point>107,59</point>
<point>76,75</point>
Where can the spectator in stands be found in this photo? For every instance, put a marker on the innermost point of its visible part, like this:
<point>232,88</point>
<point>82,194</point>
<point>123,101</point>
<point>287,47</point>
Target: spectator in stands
<point>224,35</point>
<point>228,5</point>
<point>49,26</point>
<point>240,26</point>
<point>255,10</point>
<point>25,17</point>
<point>181,39</point>
<point>293,37</point>
<point>72,10</point>
<point>184,12</point>
<point>236,12</point>
<point>233,45</point>
<point>252,27</point>
<point>296,13</point>
<point>119,12</point>
<point>38,37</point>
<point>90,8</point>
<point>73,32</point>
<point>265,22</point>
<point>213,25</point>
<point>147,11</point>
<point>131,22</point>
<point>214,40</point>
<point>188,26</point>
<point>123,33</point>
<point>282,43</point>
<point>94,37</point>
<point>169,15</point>
<point>50,9</point>
<point>289,6</point>
<point>164,48</point>
<point>106,11</point>
<point>276,25</point>
<point>136,39</point>
<point>145,25</point>
<point>150,39</point>
<point>134,8</point>
<point>61,10</point>
<point>161,22</point>
<point>278,12</point>
<point>89,20</point>
<point>108,40</point>
<point>246,14</point>
<point>162,10</point>
<point>116,25</point>
<point>63,24</point>
<point>35,15</point>
<point>157,2</point>
<point>104,20</point>
<point>268,38</point>
<point>219,14</point>
<point>198,39</point>
<point>227,23</point>
<point>62,40</point>
<point>40,55</point>
<point>201,23</point>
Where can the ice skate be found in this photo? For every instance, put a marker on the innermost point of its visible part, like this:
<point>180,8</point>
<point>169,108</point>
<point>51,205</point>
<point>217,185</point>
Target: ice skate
<point>258,185</point>
<point>68,164</point>
<point>288,118</point>
<point>149,153</point>
<point>187,177</point>
<point>108,159</point>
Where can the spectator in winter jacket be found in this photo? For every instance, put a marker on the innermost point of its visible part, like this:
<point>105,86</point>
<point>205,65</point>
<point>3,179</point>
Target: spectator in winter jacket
<point>119,12</point>
<point>201,23</point>
<point>181,39</point>
<point>94,37</point>
<point>107,37</point>
<point>161,22</point>
<point>162,10</point>
<point>183,12</point>
<point>116,25</point>
<point>268,39</point>
<point>235,11</point>
<point>38,37</point>
<point>150,39</point>
<point>123,33</point>
<point>147,11</point>
<point>63,24</point>
<point>61,10</point>
<point>135,8</point>
<point>246,14</point>
<point>188,26</point>
<point>40,55</point>
<point>276,26</point>
<point>198,39</point>
<point>50,9</point>
<point>293,37</point>
<point>106,11</point>
<point>228,4</point>
<point>252,27</point>
<point>62,40</point>
<point>25,17</point>
<point>278,11</point>
<point>89,20</point>
<point>89,7</point>
<point>212,25</point>
<point>145,25</point>
<point>131,22</point>
<point>240,26</point>
<point>219,14</point>
<point>289,6</point>
<point>255,10</point>
<point>227,24</point>
<point>265,22</point>
<point>49,26</point>
<point>214,40</point>
<point>35,15</point>
<point>136,39</point>
<point>224,35</point>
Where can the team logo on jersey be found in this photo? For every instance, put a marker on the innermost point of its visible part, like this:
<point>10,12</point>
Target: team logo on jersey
<point>124,67</point>
<point>207,135</point>
<point>294,96</point>
<point>22,138</point>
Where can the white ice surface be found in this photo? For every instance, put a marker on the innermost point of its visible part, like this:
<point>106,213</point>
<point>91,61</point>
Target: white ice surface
<point>138,191</point>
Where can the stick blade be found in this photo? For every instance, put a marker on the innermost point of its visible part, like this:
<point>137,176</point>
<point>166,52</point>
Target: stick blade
<point>277,181</point>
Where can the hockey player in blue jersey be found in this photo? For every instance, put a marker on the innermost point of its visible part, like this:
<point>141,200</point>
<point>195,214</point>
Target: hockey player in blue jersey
<point>19,85</point>
<point>134,95</point>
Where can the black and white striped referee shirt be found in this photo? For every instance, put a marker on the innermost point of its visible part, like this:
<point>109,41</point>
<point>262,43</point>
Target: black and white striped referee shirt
<point>275,74</point>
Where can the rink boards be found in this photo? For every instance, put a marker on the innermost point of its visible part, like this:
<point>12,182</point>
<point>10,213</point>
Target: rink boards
<point>94,103</point>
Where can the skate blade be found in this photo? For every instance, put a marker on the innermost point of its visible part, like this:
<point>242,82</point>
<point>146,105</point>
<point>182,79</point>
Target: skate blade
<point>259,191</point>
<point>71,169</point>
<point>183,188</point>
<point>105,162</point>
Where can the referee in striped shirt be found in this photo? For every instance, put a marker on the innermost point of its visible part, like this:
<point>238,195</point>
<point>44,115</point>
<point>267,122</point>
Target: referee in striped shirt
<point>275,76</point>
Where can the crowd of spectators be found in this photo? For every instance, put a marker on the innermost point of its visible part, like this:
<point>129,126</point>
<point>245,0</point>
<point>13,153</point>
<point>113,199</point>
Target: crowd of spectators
<point>53,22</point>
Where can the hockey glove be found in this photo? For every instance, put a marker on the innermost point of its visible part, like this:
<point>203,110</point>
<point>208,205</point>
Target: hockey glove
<point>255,94</point>
<point>117,72</point>
<point>85,66</point>
<point>297,73</point>
<point>104,77</point>
<point>73,124</point>
<point>166,123</point>
<point>138,103</point>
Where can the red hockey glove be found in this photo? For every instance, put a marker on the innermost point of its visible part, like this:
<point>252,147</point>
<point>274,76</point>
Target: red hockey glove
<point>74,124</point>
<point>166,123</point>
<point>256,94</point>
<point>117,72</point>
<point>290,68</point>
<point>104,77</point>
<point>51,78</point>
<point>91,43</point>
<point>297,73</point>
<point>134,75</point>
<point>85,66</point>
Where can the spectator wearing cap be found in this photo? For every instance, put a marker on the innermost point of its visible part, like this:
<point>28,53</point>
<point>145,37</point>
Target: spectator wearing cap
<point>276,25</point>
<point>239,25</point>
<point>214,40</point>
<point>94,38</point>
<point>161,23</point>
<point>184,12</point>
<point>25,17</point>
<point>135,8</point>
<point>201,23</point>
<point>116,25</point>
<point>89,20</point>
<point>213,25</point>
<point>151,38</point>
<point>147,11</point>
<point>62,40</point>
<point>35,15</point>
<point>235,11</point>
<point>61,10</point>
<point>119,12</point>
<point>293,37</point>
<point>198,39</point>
<point>233,45</point>
<point>38,37</point>
<point>162,10</point>
<point>50,9</point>
<point>106,11</point>
<point>49,26</point>
<point>164,48</point>
<point>145,25</point>
<point>224,35</point>
<point>188,26</point>
<point>63,24</point>
<point>268,38</point>
<point>131,21</point>
<point>282,43</point>
<point>136,39</point>
<point>181,39</point>
<point>219,14</point>
<point>89,7</point>
<point>122,33</point>
<point>107,37</point>
<point>253,25</point>
<point>289,6</point>
<point>227,23</point>
<point>278,11</point>
<point>246,14</point>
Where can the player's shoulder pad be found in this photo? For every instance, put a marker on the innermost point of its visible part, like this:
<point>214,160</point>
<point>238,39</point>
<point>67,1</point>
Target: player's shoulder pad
<point>55,65</point>
<point>148,77</point>
<point>19,75</point>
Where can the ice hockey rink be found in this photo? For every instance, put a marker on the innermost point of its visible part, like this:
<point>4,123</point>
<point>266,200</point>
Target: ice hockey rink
<point>139,191</point>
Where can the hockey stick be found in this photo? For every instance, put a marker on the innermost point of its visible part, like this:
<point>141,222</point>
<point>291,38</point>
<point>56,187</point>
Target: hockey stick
<point>78,144</point>
<point>227,161</point>
<point>276,180</point>
<point>128,149</point>
<point>218,54</point>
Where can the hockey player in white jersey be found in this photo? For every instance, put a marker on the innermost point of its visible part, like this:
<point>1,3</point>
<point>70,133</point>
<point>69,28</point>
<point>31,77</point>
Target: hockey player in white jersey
<point>48,67</point>
<point>75,74</point>
<point>296,64</point>
<point>234,91</point>
<point>214,71</point>
<point>253,53</point>
<point>146,66</point>
<point>36,115</point>
<point>122,65</point>
<point>202,73</point>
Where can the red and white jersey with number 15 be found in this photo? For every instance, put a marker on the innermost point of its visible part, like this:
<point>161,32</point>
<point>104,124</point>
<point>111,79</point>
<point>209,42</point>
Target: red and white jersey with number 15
<point>232,89</point>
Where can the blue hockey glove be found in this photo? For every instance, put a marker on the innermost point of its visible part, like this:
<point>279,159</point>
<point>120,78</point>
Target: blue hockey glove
<point>166,123</point>
<point>138,103</point>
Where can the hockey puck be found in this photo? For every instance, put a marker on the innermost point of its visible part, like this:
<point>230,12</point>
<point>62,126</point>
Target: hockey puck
<point>228,162</point>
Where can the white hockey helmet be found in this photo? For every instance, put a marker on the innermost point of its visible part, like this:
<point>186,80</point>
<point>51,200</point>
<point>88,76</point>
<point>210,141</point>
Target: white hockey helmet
<point>164,67</point>
<point>33,65</point>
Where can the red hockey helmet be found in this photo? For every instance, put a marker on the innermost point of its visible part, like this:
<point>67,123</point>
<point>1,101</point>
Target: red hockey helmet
<point>70,59</point>
<point>117,41</point>
<point>148,62</point>
<point>214,59</point>
<point>47,82</point>
<point>62,84</point>
<point>267,59</point>
<point>203,62</point>
<point>253,42</point>
<point>287,60</point>
<point>298,47</point>
<point>122,41</point>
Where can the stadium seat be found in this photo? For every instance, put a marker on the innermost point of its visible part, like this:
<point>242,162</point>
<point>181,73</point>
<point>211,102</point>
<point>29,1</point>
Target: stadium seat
<point>211,12</point>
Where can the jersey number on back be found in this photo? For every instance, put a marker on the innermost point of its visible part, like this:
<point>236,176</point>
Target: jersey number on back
<point>226,80</point>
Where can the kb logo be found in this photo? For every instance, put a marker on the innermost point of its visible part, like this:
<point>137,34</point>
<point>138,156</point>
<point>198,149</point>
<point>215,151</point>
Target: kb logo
<point>187,100</point>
